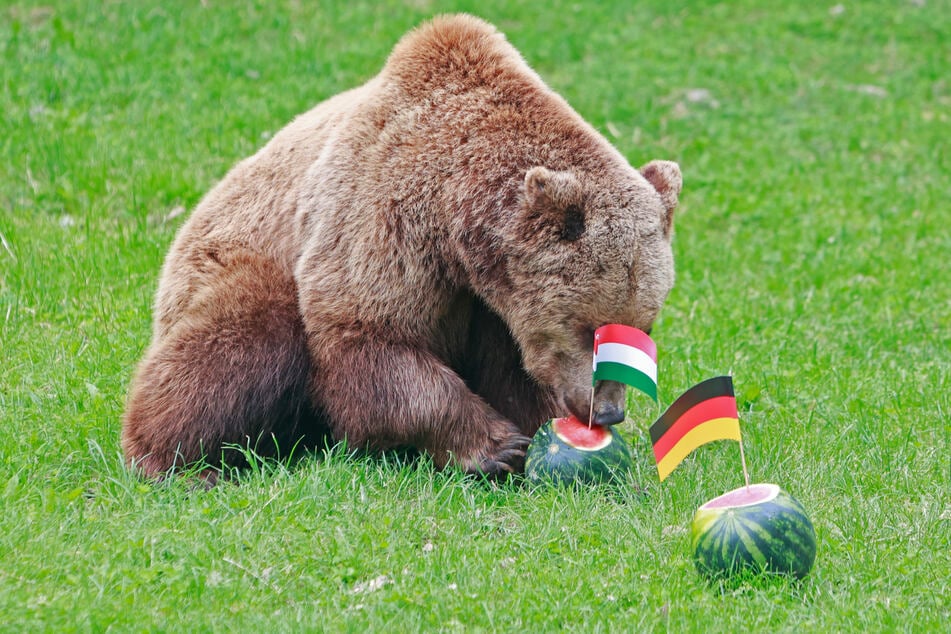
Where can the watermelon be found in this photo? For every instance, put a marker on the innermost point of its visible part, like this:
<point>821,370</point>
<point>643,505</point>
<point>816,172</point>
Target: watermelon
<point>566,451</point>
<point>759,528</point>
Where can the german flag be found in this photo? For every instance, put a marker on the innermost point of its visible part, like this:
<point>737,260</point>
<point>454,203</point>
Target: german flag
<point>704,413</point>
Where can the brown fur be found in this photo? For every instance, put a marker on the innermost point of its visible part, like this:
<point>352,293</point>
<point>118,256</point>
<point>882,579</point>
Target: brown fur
<point>420,261</point>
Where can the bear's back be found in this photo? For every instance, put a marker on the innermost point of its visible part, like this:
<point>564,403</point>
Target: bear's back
<point>448,127</point>
<point>253,207</point>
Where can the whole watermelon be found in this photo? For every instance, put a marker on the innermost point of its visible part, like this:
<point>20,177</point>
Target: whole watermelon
<point>568,451</point>
<point>759,528</point>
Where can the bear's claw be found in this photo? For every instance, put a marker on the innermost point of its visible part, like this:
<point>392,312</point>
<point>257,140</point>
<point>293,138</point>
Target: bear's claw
<point>507,458</point>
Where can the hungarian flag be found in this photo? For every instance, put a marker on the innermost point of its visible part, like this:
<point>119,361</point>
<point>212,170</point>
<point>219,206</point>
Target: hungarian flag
<point>704,413</point>
<point>626,355</point>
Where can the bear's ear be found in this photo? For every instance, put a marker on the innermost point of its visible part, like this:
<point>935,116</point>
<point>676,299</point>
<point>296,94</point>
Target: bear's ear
<point>538,185</point>
<point>550,194</point>
<point>666,179</point>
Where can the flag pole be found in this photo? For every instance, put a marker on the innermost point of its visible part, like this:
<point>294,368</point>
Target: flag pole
<point>746,474</point>
<point>594,366</point>
<point>591,408</point>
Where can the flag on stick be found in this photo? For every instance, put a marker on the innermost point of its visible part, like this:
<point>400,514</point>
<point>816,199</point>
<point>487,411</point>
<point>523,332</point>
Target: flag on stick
<point>626,355</point>
<point>704,413</point>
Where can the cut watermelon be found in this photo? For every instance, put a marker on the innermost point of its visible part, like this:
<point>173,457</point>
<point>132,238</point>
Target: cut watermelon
<point>566,450</point>
<point>759,528</point>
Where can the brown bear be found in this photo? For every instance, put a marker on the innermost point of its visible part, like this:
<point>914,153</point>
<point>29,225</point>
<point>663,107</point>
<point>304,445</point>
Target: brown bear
<point>419,262</point>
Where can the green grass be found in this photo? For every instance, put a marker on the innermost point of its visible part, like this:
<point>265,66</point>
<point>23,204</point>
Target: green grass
<point>812,251</point>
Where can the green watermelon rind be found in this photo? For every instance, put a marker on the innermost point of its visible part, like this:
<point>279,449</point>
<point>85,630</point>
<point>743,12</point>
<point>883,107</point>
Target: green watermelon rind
<point>549,459</point>
<point>775,536</point>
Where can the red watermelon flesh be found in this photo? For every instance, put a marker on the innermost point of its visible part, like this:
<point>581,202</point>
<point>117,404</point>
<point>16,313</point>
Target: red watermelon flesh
<point>581,435</point>
<point>744,496</point>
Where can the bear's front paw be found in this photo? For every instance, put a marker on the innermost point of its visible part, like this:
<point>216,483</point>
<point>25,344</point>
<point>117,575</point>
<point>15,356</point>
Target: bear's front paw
<point>502,457</point>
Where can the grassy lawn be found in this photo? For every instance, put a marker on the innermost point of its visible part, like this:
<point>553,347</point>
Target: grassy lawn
<point>812,247</point>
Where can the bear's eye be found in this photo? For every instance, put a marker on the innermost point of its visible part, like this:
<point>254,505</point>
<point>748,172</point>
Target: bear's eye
<point>586,336</point>
<point>574,223</point>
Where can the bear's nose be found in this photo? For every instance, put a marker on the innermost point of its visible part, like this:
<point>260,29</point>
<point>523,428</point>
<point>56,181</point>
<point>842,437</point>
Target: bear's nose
<point>608,414</point>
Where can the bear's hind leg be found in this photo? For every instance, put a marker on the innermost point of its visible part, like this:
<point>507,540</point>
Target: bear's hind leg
<point>232,371</point>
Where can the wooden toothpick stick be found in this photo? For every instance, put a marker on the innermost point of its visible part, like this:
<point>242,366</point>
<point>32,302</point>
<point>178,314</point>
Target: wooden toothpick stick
<point>746,474</point>
<point>591,409</point>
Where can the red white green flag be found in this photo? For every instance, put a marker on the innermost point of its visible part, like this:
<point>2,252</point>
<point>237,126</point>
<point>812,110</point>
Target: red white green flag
<point>626,355</point>
<point>704,413</point>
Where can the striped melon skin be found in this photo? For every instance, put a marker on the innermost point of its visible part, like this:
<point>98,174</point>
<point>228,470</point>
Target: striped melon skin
<point>760,529</point>
<point>567,451</point>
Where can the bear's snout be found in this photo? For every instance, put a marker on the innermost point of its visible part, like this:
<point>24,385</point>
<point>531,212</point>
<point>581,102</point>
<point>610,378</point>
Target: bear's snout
<point>608,407</point>
<point>609,414</point>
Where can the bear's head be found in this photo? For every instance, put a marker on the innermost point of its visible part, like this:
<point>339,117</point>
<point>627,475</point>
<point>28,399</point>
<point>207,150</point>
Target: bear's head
<point>582,250</point>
